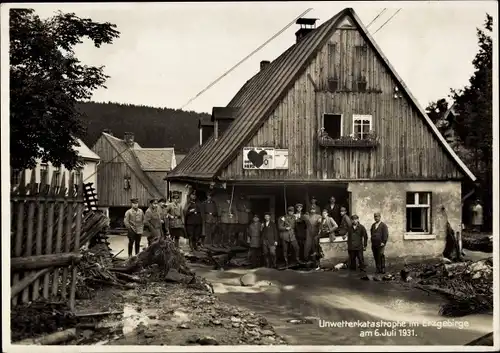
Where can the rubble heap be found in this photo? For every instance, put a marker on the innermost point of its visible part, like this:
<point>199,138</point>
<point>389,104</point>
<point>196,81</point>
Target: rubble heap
<point>473,243</point>
<point>38,318</point>
<point>468,286</point>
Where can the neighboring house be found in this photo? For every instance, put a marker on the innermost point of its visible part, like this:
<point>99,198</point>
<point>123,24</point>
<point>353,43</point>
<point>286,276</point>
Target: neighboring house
<point>45,171</point>
<point>130,171</point>
<point>331,117</point>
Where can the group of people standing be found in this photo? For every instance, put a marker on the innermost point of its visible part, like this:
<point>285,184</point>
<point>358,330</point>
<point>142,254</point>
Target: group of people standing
<point>297,230</point>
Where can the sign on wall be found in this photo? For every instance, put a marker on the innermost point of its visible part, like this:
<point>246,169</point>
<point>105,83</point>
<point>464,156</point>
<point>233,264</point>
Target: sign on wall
<point>258,158</point>
<point>280,159</point>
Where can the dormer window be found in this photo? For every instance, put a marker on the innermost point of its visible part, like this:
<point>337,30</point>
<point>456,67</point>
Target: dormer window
<point>222,117</point>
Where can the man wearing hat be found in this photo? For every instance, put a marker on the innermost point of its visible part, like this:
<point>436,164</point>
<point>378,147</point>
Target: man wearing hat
<point>194,221</point>
<point>311,247</point>
<point>345,225</point>
<point>134,221</point>
<point>269,237</point>
<point>176,221</point>
<point>300,229</point>
<point>162,209</point>
<point>286,227</point>
<point>314,205</point>
<point>357,240</point>
<point>379,234</point>
<point>228,220</point>
<point>211,217</point>
<point>153,222</point>
<point>255,241</point>
<point>243,210</point>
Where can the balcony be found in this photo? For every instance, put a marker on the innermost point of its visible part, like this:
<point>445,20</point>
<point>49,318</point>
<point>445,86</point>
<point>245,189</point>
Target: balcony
<point>368,141</point>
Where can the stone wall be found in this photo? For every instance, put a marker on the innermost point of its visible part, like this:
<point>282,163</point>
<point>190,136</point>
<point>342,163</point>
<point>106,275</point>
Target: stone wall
<point>389,198</point>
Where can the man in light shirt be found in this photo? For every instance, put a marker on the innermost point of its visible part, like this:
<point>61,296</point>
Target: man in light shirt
<point>134,221</point>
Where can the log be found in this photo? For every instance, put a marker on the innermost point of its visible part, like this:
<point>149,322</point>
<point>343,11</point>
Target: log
<point>26,281</point>
<point>100,313</point>
<point>38,262</point>
<point>129,278</point>
<point>53,338</point>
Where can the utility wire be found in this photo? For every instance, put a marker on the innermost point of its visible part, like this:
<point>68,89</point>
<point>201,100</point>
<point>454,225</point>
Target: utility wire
<point>379,14</point>
<point>245,58</point>
<point>390,18</point>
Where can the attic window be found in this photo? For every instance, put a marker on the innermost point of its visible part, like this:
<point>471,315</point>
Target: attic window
<point>332,123</point>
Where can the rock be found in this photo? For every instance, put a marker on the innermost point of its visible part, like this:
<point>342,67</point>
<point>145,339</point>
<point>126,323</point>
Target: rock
<point>477,275</point>
<point>367,278</point>
<point>248,280</point>
<point>236,325</point>
<point>269,340</point>
<point>148,334</point>
<point>251,325</point>
<point>87,333</point>
<point>445,260</point>
<point>216,322</point>
<point>183,326</point>
<point>193,339</point>
<point>208,341</point>
<point>235,319</point>
<point>174,276</point>
<point>388,277</point>
<point>267,333</point>
<point>376,278</point>
<point>152,316</point>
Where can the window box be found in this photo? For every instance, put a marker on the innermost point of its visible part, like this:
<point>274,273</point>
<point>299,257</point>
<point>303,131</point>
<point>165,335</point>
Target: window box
<point>369,141</point>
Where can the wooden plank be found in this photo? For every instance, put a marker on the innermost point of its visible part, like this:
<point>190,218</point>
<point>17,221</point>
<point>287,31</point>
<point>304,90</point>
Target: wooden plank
<point>29,236</point>
<point>68,233</point>
<point>78,225</point>
<point>50,232</point>
<point>39,227</point>
<point>60,220</point>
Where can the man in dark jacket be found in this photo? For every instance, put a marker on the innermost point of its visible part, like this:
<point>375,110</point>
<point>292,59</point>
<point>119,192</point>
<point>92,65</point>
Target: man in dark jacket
<point>357,240</point>
<point>194,221</point>
<point>300,229</point>
<point>269,237</point>
<point>211,217</point>
<point>255,241</point>
<point>334,210</point>
<point>379,236</point>
<point>286,227</point>
<point>345,225</point>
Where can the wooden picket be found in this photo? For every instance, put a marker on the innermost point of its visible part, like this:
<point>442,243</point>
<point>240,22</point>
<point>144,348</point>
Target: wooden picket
<point>46,219</point>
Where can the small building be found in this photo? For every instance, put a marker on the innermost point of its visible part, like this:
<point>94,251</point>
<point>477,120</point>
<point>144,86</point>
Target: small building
<point>331,117</point>
<point>44,171</point>
<point>130,171</point>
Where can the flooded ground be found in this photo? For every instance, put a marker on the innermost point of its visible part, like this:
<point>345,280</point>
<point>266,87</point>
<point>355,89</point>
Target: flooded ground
<point>330,299</point>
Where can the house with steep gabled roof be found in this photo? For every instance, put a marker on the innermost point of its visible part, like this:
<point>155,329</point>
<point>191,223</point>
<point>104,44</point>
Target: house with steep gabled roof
<point>331,117</point>
<point>129,171</point>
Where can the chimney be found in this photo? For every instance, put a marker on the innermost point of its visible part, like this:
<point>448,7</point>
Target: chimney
<point>306,25</point>
<point>129,138</point>
<point>107,131</point>
<point>263,64</point>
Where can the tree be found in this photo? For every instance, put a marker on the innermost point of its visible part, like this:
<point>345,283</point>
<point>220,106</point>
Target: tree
<point>474,123</point>
<point>474,102</point>
<point>46,82</point>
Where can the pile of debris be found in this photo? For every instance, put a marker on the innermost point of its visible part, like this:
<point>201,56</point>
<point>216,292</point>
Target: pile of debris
<point>475,243</point>
<point>39,318</point>
<point>220,256</point>
<point>468,286</point>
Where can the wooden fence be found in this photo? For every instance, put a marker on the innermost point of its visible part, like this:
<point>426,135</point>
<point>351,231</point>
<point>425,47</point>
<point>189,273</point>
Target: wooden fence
<point>46,225</point>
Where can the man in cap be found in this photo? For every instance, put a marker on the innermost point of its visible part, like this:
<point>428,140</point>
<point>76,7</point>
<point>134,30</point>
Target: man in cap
<point>300,229</point>
<point>153,222</point>
<point>312,239</point>
<point>345,226</point>
<point>162,209</point>
<point>255,241</point>
<point>314,205</point>
<point>176,222</point>
<point>357,240</point>
<point>243,215</point>
<point>379,236</point>
<point>269,237</point>
<point>211,217</point>
<point>286,227</point>
<point>194,221</point>
<point>134,222</point>
<point>327,226</point>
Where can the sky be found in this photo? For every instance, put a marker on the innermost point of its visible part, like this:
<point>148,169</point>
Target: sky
<point>168,52</point>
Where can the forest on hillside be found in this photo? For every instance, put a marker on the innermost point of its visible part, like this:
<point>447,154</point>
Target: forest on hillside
<point>152,127</point>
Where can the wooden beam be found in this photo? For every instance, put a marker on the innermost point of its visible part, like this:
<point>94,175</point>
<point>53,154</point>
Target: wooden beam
<point>43,261</point>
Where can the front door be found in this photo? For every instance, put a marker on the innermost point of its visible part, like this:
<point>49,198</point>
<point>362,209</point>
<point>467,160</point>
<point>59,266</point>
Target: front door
<point>260,204</point>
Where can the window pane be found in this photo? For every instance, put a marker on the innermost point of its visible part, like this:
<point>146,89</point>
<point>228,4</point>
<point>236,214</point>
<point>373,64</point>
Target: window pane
<point>366,122</point>
<point>366,129</point>
<point>410,198</point>
<point>415,220</point>
<point>425,219</point>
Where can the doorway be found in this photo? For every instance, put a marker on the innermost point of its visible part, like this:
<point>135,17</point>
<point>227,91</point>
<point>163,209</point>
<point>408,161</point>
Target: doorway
<point>259,204</point>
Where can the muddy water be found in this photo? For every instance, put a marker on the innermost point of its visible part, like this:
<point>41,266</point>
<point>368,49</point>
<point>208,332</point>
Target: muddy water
<point>337,297</point>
